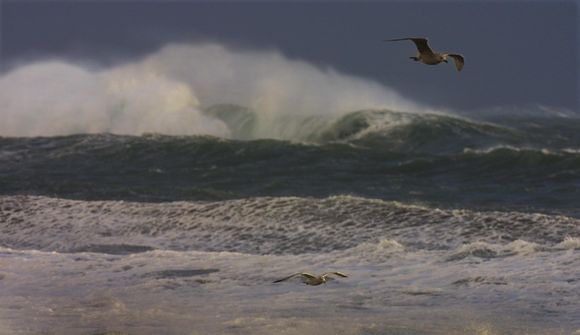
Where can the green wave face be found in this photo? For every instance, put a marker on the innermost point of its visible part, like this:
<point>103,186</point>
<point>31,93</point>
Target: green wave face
<point>427,159</point>
<point>383,129</point>
<point>435,159</point>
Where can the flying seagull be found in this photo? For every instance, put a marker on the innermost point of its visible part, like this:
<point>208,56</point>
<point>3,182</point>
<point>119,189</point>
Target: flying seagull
<point>313,280</point>
<point>428,56</point>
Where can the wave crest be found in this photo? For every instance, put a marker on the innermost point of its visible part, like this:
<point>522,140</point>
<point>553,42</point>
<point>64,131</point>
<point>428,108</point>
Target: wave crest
<point>390,130</point>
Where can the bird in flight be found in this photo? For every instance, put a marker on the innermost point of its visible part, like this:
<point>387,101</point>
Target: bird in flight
<point>427,56</point>
<point>313,280</point>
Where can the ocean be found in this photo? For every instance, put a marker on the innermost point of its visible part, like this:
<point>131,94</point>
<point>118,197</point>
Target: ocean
<point>444,223</point>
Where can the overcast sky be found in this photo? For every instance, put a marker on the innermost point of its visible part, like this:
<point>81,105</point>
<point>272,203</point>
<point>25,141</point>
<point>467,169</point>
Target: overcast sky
<point>516,52</point>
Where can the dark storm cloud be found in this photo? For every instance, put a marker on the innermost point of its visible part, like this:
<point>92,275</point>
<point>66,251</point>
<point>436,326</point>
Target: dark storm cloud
<point>516,52</point>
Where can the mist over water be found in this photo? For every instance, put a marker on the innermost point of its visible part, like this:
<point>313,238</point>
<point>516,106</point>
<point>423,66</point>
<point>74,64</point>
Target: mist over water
<point>166,91</point>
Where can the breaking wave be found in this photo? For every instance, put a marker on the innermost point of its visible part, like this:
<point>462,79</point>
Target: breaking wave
<point>166,91</point>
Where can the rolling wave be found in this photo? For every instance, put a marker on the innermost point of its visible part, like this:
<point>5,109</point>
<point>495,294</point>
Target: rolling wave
<point>414,158</point>
<point>286,225</point>
<point>432,133</point>
<point>398,131</point>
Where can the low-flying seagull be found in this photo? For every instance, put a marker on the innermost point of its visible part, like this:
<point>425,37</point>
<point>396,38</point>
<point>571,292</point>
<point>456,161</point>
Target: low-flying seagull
<point>309,279</point>
<point>428,56</point>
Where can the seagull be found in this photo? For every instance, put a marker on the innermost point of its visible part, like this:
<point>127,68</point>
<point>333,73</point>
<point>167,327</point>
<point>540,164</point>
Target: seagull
<point>427,56</point>
<point>313,280</point>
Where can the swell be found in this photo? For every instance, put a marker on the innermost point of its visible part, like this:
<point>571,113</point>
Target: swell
<point>169,168</point>
<point>286,225</point>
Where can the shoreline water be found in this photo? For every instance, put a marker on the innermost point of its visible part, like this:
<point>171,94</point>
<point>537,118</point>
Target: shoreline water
<point>421,273</point>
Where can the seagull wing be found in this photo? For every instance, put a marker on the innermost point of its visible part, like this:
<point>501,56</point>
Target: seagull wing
<point>340,274</point>
<point>286,278</point>
<point>308,275</point>
<point>303,274</point>
<point>458,59</point>
<point>420,42</point>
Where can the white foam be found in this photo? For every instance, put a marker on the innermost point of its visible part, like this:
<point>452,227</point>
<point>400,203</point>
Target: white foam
<point>372,229</point>
<point>573,151</point>
<point>390,286</point>
<point>59,98</point>
<point>372,252</point>
<point>521,247</point>
<point>570,243</point>
<point>492,149</point>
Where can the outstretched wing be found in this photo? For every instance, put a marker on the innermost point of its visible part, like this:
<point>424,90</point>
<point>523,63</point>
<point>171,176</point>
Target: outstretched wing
<point>308,275</point>
<point>459,61</point>
<point>286,278</point>
<point>340,274</point>
<point>420,42</point>
<point>303,274</point>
